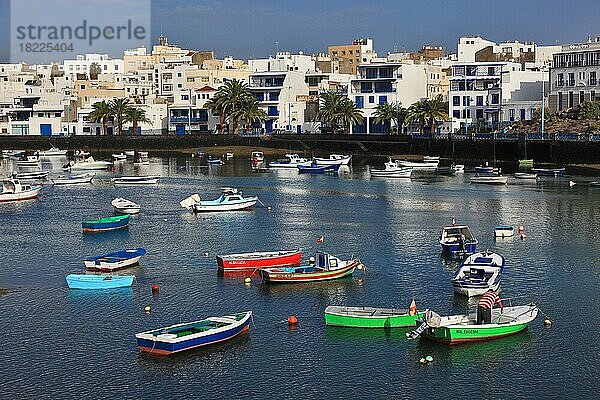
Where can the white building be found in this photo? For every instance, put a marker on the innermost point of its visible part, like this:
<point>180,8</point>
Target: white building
<point>486,93</point>
<point>83,64</point>
<point>279,84</point>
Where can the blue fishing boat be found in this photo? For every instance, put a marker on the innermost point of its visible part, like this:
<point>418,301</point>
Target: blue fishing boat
<point>114,261</point>
<point>458,241</point>
<point>105,224</point>
<point>231,199</point>
<point>92,282</point>
<point>314,168</point>
<point>186,336</point>
<point>479,273</point>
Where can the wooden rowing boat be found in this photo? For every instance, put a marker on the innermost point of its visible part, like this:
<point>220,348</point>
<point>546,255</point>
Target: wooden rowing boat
<point>370,317</point>
<point>326,267</point>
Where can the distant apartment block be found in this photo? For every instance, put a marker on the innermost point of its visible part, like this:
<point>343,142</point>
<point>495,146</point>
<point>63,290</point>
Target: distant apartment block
<point>349,56</point>
<point>575,75</point>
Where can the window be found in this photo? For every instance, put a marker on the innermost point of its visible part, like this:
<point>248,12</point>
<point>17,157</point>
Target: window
<point>593,80</point>
<point>560,101</point>
<point>511,114</point>
<point>522,114</point>
<point>179,75</point>
<point>570,98</point>
<point>495,98</point>
<point>41,115</point>
<point>479,101</point>
<point>371,99</point>
<point>456,113</point>
<point>479,114</point>
<point>185,97</point>
<point>57,114</point>
<point>456,100</point>
<point>382,99</point>
<point>560,80</point>
<point>581,97</point>
<point>466,101</point>
<point>592,95</point>
<point>571,79</point>
<point>581,76</point>
<point>360,101</point>
<point>491,71</point>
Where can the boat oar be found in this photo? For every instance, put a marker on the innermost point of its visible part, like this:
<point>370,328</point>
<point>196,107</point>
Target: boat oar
<point>263,204</point>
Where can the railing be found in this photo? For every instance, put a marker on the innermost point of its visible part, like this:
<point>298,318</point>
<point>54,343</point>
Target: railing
<point>187,119</point>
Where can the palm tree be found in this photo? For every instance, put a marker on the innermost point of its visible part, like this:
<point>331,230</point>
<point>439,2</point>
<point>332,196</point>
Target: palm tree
<point>435,110</point>
<point>416,113</point>
<point>95,70</point>
<point>235,92</point>
<point>102,112</point>
<point>120,108</point>
<point>348,114</point>
<point>329,107</point>
<point>402,115</point>
<point>249,110</point>
<point>386,113</point>
<point>216,105</point>
<point>136,116</point>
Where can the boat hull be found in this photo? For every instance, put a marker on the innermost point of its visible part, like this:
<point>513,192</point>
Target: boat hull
<point>456,251</point>
<point>400,173</point>
<point>352,319</point>
<point>471,333</point>
<point>102,226</point>
<point>328,161</point>
<point>318,169</point>
<point>474,290</point>
<point>243,206</point>
<point>98,282</point>
<point>281,276</point>
<point>484,180</point>
<point>104,266</point>
<point>231,263</point>
<point>165,348</point>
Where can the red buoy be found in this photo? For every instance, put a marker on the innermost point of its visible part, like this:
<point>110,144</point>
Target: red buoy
<point>155,288</point>
<point>521,229</point>
<point>292,320</point>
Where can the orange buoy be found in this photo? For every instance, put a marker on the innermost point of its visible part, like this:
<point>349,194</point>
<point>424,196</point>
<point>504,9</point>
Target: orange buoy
<point>155,288</point>
<point>292,320</point>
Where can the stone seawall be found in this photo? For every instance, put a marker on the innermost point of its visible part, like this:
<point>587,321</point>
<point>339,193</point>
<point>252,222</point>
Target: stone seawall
<point>579,152</point>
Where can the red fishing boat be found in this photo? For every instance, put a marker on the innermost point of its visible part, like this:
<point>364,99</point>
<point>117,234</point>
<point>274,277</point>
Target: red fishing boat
<point>257,260</point>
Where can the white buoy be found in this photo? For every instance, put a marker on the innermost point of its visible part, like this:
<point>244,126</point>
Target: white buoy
<point>571,183</point>
<point>165,220</point>
<point>206,254</point>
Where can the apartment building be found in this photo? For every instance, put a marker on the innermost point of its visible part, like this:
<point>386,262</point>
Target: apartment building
<point>575,75</point>
<point>349,56</point>
<point>84,65</point>
<point>488,94</point>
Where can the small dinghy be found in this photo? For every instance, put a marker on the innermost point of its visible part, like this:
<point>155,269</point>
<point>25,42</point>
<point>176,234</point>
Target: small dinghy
<point>88,164</point>
<point>445,171</point>
<point>114,261</point>
<point>96,282</point>
<point>334,159</point>
<point>53,152</point>
<point>105,224</point>
<point>28,161</point>
<point>503,231</point>
<point>135,180</point>
<point>457,329</point>
<point>486,169</point>
<point>257,260</point>
<point>490,179</point>
<point>478,273</point>
<point>13,190</point>
<point>124,206</point>
<point>458,241</point>
<point>189,335</point>
<point>419,165</point>
<point>391,170</point>
<point>291,161</point>
<point>326,267</point>
<point>74,179</point>
<point>525,176</point>
<point>231,199</point>
<point>370,317</point>
<point>130,153</point>
<point>30,176</point>
<point>119,157</point>
<point>314,168</point>
<point>549,171</point>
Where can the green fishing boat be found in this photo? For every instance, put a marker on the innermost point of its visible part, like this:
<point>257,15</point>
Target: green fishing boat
<point>370,317</point>
<point>526,163</point>
<point>456,329</point>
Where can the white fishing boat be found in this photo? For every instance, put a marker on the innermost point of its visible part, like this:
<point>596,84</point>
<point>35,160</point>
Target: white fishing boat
<point>525,175</point>
<point>140,162</point>
<point>28,161</point>
<point>291,161</point>
<point>334,159</point>
<point>230,200</point>
<point>130,153</point>
<point>53,152</point>
<point>257,156</point>
<point>419,165</point>
<point>74,179</point>
<point>14,190</point>
<point>503,231</point>
<point>119,157</point>
<point>391,170</point>
<point>459,168</point>
<point>431,159</point>
<point>124,206</point>
<point>135,180</point>
<point>29,176</point>
<point>489,179</point>
<point>88,164</point>
<point>478,273</point>
<point>228,156</point>
<point>143,154</point>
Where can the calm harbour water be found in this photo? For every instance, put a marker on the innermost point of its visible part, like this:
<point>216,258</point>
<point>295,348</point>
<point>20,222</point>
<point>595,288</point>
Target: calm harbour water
<point>60,343</point>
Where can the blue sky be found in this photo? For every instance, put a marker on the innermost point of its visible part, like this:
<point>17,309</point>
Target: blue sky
<point>251,28</point>
<point>245,28</point>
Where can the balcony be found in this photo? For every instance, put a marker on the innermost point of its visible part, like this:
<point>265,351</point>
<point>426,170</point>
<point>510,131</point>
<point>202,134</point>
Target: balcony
<point>185,120</point>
